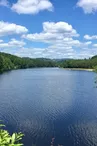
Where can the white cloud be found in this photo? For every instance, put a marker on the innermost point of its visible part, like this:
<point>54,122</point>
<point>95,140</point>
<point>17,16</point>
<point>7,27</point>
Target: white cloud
<point>42,37</point>
<point>12,43</point>
<point>87,52</point>
<point>89,6</point>
<point>32,6</point>
<point>4,3</point>
<point>43,52</point>
<point>88,37</point>
<point>59,27</point>
<point>95,45</point>
<point>88,43</point>
<point>17,43</point>
<point>53,32</point>
<point>1,41</point>
<point>11,28</point>
<point>60,38</point>
<point>53,53</point>
<point>57,34</point>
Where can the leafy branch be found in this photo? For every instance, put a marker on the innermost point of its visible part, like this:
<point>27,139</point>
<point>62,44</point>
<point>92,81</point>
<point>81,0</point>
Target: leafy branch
<point>7,140</point>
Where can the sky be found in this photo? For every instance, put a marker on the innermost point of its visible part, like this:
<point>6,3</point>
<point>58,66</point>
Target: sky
<point>49,28</point>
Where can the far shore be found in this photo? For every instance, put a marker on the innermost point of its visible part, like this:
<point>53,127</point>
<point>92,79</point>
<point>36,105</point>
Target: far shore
<point>83,69</point>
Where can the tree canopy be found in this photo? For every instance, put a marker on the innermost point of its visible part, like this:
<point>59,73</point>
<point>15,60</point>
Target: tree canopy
<point>9,62</point>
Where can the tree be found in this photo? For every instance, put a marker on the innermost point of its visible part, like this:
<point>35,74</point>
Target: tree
<point>1,63</point>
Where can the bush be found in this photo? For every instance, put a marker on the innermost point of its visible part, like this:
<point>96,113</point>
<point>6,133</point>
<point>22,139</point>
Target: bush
<point>7,140</point>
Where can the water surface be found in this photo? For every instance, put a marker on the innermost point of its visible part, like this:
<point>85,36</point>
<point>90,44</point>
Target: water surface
<point>50,102</point>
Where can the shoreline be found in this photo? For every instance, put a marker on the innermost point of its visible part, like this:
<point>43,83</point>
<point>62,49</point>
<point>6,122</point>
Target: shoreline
<point>74,69</point>
<point>80,69</point>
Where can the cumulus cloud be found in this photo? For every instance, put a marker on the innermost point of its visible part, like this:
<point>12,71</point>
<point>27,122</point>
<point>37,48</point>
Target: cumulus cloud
<point>95,45</point>
<point>88,52</point>
<point>43,52</point>
<point>88,37</point>
<point>4,3</point>
<point>11,28</point>
<point>88,43</point>
<point>12,43</point>
<point>53,53</point>
<point>57,34</point>
<point>53,32</point>
<point>61,40</point>
<point>59,27</point>
<point>32,6</point>
<point>1,41</point>
<point>89,6</point>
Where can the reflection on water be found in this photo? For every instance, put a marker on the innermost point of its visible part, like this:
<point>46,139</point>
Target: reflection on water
<point>50,103</point>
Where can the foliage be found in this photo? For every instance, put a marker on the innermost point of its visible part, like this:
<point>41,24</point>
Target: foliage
<point>79,63</point>
<point>95,69</point>
<point>7,140</point>
<point>9,62</point>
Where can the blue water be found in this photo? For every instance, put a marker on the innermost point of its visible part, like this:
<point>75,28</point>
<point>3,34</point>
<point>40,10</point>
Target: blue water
<point>50,102</point>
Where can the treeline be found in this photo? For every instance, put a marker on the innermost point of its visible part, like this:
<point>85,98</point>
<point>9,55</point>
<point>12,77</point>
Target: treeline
<point>9,62</point>
<point>80,63</point>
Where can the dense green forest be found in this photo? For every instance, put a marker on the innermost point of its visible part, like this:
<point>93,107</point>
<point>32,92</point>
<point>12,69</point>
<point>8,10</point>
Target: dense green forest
<point>79,63</point>
<point>9,62</point>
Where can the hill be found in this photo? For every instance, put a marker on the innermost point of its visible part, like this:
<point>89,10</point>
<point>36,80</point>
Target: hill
<point>9,62</point>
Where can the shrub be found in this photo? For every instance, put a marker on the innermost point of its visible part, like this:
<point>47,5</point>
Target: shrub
<point>7,140</point>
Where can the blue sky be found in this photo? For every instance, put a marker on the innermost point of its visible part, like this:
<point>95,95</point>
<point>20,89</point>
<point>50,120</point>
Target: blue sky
<point>49,28</point>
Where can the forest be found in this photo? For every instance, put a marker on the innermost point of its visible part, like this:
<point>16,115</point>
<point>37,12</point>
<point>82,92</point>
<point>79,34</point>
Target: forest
<point>90,63</point>
<point>10,62</point>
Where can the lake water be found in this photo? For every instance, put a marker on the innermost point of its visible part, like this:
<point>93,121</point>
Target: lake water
<point>50,102</point>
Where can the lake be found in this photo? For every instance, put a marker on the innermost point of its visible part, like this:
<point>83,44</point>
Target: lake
<point>50,102</point>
